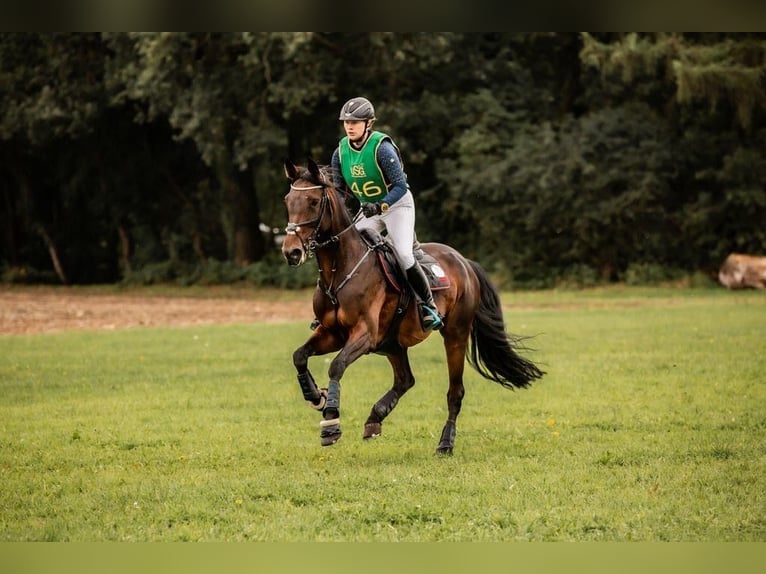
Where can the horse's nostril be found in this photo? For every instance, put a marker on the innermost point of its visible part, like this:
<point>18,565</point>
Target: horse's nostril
<point>293,256</point>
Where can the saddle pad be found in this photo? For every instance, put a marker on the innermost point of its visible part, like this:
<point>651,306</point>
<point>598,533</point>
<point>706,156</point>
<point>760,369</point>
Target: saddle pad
<point>437,278</point>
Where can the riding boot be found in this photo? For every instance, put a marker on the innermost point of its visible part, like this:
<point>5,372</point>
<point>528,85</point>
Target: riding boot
<point>429,314</point>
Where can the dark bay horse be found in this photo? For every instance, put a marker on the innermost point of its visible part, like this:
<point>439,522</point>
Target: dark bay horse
<point>355,306</point>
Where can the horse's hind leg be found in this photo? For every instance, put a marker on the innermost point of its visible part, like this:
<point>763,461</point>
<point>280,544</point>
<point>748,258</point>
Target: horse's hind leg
<point>455,393</point>
<point>403,381</point>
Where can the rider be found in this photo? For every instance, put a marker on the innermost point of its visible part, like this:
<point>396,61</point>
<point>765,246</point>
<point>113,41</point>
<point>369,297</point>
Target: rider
<point>370,165</point>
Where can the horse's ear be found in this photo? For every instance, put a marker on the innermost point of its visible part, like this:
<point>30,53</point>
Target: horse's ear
<point>314,169</point>
<point>290,170</point>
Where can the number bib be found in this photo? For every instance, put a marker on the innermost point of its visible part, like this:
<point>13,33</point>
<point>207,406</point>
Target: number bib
<point>360,168</point>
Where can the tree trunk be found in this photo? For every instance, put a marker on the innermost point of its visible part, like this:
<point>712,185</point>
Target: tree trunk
<point>54,253</point>
<point>197,239</point>
<point>126,249</point>
<point>10,230</point>
<point>246,244</point>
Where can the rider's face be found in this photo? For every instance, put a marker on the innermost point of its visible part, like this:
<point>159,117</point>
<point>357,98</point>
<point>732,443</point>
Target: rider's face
<point>354,129</point>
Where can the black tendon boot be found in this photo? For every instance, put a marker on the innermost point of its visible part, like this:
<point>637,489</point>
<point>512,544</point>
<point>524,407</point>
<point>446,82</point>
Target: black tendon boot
<point>429,315</point>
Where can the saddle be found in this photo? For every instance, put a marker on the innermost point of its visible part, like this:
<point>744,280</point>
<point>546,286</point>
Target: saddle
<point>393,273</point>
<point>396,278</point>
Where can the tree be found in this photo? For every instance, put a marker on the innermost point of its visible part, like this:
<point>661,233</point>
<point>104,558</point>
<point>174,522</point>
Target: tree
<point>717,69</point>
<point>52,90</point>
<point>541,155</point>
<point>714,99</point>
<point>198,83</point>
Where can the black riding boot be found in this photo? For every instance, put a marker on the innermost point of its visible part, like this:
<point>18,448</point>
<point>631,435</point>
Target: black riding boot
<point>429,314</point>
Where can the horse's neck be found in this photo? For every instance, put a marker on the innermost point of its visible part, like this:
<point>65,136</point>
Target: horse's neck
<point>340,258</point>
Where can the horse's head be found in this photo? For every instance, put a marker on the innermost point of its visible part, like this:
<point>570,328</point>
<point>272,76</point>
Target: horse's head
<point>308,211</point>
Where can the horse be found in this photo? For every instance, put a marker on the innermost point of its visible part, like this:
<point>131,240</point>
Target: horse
<point>359,311</point>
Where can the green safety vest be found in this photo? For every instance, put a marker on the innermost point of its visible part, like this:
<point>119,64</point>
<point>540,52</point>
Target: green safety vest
<point>360,168</point>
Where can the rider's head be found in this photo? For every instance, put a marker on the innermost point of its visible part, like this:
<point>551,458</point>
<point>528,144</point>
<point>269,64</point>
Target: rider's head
<point>357,116</point>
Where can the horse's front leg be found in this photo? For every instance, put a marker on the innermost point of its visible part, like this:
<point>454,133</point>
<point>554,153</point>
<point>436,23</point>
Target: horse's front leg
<point>321,342</point>
<point>403,382</point>
<point>359,344</point>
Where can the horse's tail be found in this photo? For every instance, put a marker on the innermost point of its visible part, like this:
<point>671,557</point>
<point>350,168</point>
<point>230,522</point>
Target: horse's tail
<point>493,351</point>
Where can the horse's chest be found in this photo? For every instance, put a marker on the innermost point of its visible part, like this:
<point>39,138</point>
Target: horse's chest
<point>334,317</point>
<point>343,318</point>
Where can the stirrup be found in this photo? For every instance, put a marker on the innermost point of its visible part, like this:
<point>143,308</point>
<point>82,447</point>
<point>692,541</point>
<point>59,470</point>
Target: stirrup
<point>430,319</point>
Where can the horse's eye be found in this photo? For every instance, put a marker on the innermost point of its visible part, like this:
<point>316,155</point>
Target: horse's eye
<point>313,202</point>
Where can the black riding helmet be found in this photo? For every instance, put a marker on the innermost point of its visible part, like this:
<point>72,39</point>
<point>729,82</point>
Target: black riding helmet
<point>358,109</point>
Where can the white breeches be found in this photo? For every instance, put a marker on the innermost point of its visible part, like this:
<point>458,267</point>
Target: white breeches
<point>399,222</point>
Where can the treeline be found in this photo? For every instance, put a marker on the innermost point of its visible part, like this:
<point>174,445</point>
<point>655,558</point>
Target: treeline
<point>548,157</point>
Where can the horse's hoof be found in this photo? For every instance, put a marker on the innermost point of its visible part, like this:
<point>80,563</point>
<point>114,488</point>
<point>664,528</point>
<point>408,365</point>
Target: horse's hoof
<point>330,433</point>
<point>327,438</point>
<point>372,430</point>
<point>443,450</point>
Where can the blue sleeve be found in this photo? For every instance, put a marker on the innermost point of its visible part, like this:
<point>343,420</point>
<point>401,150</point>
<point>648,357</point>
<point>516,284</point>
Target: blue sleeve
<point>393,172</point>
<point>337,176</point>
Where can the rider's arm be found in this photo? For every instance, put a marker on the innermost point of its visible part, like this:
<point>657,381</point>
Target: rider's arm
<point>337,177</point>
<point>393,172</point>
<point>339,183</point>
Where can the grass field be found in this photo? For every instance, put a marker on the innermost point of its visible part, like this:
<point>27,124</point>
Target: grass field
<point>650,425</point>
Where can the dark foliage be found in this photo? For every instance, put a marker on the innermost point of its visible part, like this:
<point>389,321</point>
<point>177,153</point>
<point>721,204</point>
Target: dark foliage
<point>550,158</point>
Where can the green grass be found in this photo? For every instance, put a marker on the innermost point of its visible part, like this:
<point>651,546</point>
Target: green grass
<point>650,425</point>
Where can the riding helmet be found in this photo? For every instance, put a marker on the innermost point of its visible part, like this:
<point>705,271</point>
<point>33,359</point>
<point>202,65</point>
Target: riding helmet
<point>359,109</point>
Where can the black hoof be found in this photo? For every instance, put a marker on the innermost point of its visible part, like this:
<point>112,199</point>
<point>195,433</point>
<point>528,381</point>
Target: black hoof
<point>330,433</point>
<point>443,450</point>
<point>372,430</point>
<point>330,438</point>
<point>447,440</point>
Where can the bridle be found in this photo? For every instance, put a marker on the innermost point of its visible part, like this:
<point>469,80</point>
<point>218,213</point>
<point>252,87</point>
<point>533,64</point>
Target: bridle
<point>311,244</point>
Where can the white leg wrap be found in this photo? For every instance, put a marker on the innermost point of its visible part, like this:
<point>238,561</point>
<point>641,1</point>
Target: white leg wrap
<point>329,422</point>
<point>322,401</point>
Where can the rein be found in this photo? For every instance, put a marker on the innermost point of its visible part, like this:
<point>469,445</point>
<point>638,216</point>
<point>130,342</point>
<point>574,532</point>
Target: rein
<point>332,293</point>
<point>311,245</point>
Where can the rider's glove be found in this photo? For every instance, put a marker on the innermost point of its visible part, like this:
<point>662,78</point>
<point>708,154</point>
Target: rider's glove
<point>370,209</point>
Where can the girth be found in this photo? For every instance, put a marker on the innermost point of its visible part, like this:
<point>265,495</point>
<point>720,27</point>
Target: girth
<point>395,277</point>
